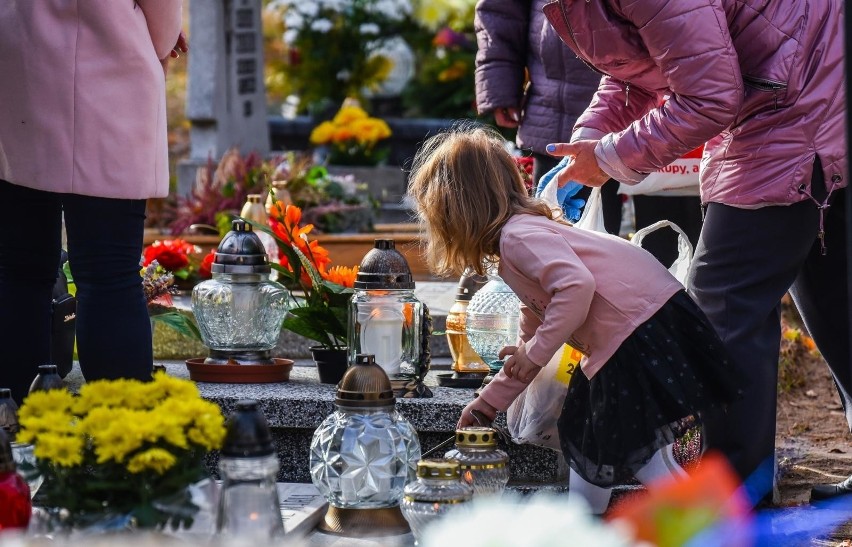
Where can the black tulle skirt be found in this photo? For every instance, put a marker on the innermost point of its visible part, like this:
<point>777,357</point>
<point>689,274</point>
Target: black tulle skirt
<point>655,387</point>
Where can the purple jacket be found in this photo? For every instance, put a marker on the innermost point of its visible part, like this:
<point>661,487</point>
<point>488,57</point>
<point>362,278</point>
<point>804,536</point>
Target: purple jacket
<point>761,81</point>
<point>515,35</point>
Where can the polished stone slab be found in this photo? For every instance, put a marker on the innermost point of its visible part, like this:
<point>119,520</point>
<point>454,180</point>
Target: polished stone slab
<point>294,409</point>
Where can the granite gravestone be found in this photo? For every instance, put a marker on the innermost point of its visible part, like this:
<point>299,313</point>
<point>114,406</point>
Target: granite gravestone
<point>226,95</point>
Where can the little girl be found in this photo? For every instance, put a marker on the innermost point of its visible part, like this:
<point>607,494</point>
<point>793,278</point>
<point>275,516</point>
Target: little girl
<point>651,361</point>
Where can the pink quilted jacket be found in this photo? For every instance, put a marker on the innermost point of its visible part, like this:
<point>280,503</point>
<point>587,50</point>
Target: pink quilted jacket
<point>761,81</point>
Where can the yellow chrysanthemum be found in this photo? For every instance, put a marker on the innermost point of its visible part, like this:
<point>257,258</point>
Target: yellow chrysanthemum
<point>49,422</point>
<point>39,403</point>
<point>170,429</point>
<point>101,418</point>
<point>342,134</point>
<point>107,393</point>
<point>209,429</point>
<point>348,114</point>
<point>61,450</point>
<point>121,438</point>
<point>175,387</point>
<point>322,133</point>
<point>369,131</point>
<point>157,460</point>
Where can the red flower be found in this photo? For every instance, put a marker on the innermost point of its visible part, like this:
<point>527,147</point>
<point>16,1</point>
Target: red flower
<point>525,166</point>
<point>204,269</point>
<point>171,254</point>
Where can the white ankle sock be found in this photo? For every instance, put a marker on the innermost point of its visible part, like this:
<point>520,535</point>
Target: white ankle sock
<point>661,465</point>
<point>595,496</point>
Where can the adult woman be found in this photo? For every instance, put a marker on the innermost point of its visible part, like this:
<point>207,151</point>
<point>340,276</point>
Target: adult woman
<point>762,83</point>
<point>82,132</point>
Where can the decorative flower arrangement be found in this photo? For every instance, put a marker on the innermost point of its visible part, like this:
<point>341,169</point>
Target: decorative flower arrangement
<point>220,191</point>
<point>332,46</point>
<point>352,137</point>
<point>158,287</point>
<point>675,512</point>
<point>322,291</point>
<point>332,203</point>
<point>121,449</point>
<point>180,258</point>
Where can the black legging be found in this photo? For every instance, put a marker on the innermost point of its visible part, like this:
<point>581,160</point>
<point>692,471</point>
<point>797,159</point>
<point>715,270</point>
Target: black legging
<point>104,248</point>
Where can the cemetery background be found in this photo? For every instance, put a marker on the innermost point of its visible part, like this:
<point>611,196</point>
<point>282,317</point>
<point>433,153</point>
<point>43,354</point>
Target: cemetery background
<point>812,437</point>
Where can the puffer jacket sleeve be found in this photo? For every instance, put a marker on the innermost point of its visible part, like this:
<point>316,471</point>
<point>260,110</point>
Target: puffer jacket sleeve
<point>691,44</point>
<point>164,20</point>
<point>610,111</point>
<point>501,37</point>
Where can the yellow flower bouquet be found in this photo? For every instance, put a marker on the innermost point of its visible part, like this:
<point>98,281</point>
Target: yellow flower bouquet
<point>352,137</point>
<point>123,450</point>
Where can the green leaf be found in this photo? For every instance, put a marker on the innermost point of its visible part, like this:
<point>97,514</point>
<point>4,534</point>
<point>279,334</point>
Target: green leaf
<point>180,322</point>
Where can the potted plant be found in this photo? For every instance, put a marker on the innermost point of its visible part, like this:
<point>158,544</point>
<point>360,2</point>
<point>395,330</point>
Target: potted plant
<point>123,453</point>
<point>322,292</point>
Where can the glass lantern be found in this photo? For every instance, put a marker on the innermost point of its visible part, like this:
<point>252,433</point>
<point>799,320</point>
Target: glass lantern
<point>363,455</point>
<point>437,490</point>
<point>483,465</point>
<point>492,322</point>
<point>240,311</point>
<point>465,360</point>
<point>249,506</point>
<point>385,318</point>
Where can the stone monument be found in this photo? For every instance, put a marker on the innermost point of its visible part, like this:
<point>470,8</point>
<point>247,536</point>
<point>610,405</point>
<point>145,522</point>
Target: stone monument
<point>226,95</point>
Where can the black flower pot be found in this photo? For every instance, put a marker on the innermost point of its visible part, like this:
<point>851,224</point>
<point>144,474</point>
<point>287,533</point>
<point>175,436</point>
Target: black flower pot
<point>331,363</point>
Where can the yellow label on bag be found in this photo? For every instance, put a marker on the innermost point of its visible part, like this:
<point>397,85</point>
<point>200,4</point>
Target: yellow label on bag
<point>568,363</point>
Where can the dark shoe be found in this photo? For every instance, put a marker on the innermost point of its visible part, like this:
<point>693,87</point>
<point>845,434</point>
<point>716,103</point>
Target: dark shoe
<point>829,491</point>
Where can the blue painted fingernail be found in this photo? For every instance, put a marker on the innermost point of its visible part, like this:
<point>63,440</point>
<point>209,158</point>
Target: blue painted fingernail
<point>551,148</point>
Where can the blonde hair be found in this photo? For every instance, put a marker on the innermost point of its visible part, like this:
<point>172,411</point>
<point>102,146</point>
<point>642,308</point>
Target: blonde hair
<point>465,186</point>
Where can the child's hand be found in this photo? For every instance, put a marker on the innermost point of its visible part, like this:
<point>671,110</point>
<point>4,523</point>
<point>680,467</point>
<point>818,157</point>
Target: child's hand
<point>518,365</point>
<point>479,405</point>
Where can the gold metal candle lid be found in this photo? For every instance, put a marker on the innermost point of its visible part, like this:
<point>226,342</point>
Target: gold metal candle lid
<point>476,437</point>
<point>438,469</point>
<point>365,384</point>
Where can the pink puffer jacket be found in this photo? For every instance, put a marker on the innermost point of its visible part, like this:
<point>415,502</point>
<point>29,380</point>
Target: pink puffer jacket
<point>761,81</point>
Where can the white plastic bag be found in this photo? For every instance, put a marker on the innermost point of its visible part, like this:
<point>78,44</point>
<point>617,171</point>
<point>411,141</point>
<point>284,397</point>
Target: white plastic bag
<point>532,417</point>
<point>680,266</point>
<point>678,178</point>
<point>592,218</point>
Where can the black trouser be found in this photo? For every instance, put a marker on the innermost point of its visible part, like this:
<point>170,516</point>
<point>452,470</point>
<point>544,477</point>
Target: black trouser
<point>745,262</point>
<point>610,200</point>
<point>104,248</point>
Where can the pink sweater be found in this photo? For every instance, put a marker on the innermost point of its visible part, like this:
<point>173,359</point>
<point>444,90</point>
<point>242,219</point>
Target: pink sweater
<point>585,288</point>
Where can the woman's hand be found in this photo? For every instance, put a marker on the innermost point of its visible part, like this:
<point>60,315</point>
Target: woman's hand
<point>518,365</point>
<point>466,419</point>
<point>584,169</point>
<point>507,117</point>
<point>182,46</point>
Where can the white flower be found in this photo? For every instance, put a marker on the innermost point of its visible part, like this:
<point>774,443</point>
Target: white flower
<point>321,25</point>
<point>391,9</point>
<point>536,521</point>
<point>290,36</point>
<point>309,9</point>
<point>369,28</point>
<point>294,20</point>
